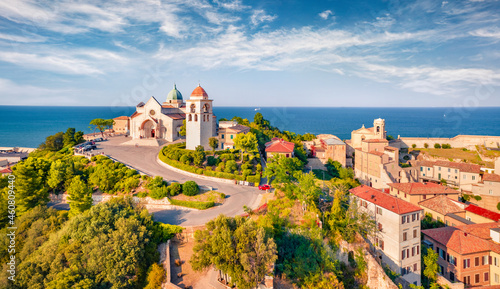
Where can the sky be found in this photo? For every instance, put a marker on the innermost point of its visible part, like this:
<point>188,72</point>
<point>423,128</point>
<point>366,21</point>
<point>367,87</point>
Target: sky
<point>365,53</point>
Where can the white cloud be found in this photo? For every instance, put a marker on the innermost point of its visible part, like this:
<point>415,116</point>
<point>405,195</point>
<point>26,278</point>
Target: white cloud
<point>259,16</point>
<point>23,39</point>
<point>491,32</point>
<point>235,5</point>
<point>12,93</point>
<point>325,14</point>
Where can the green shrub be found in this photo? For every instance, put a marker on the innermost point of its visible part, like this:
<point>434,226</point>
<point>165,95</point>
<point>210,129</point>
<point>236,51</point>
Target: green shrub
<point>258,168</point>
<point>230,166</point>
<point>142,194</point>
<point>185,159</point>
<point>193,204</point>
<point>158,193</point>
<point>246,173</point>
<point>446,146</point>
<point>426,145</point>
<point>212,161</point>
<point>190,188</point>
<point>478,198</point>
<point>254,179</point>
<point>413,145</point>
<point>437,146</point>
<point>175,189</point>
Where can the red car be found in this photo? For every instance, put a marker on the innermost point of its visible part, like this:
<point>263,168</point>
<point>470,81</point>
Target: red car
<point>264,187</point>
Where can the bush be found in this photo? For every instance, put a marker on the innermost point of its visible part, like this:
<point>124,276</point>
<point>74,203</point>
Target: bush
<point>193,204</point>
<point>254,179</point>
<point>175,189</point>
<point>142,194</point>
<point>230,166</point>
<point>426,145</point>
<point>246,173</point>
<point>212,161</point>
<point>478,198</point>
<point>437,146</point>
<point>446,146</point>
<point>190,188</point>
<point>413,145</point>
<point>185,159</point>
<point>159,193</point>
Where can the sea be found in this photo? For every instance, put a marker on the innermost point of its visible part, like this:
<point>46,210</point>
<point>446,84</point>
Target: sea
<point>28,126</point>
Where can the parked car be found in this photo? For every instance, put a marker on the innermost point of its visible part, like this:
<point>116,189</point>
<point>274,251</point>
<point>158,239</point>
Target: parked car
<point>264,187</point>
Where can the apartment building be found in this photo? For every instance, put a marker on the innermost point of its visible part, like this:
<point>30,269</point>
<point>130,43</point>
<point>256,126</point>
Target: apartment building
<point>417,192</point>
<point>460,175</point>
<point>227,132</point>
<point>397,237</point>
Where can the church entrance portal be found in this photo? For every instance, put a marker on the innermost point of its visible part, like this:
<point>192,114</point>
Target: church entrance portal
<point>148,129</point>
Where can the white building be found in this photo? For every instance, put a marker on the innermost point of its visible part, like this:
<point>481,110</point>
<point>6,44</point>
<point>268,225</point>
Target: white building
<point>397,237</point>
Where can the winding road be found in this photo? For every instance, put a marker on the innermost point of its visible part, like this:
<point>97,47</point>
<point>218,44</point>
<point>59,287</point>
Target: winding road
<point>144,158</point>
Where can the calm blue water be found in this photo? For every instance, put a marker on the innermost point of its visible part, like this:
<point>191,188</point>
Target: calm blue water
<point>27,126</point>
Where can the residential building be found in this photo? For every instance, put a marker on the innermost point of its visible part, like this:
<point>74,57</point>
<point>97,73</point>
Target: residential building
<point>228,130</point>
<point>417,192</point>
<point>326,147</point>
<point>279,146</point>
<point>441,207</point>
<point>121,125</point>
<point>468,254</point>
<point>460,175</point>
<point>397,237</point>
<point>480,215</point>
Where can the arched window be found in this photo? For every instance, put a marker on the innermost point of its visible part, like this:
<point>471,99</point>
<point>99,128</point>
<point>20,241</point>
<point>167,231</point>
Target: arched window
<point>193,108</point>
<point>195,117</point>
<point>190,118</point>
<point>206,107</point>
<point>378,128</point>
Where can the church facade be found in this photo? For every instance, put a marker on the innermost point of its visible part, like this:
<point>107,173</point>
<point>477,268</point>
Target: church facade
<point>163,121</point>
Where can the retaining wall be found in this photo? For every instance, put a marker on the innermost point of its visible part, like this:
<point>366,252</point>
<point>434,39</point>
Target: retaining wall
<point>459,141</point>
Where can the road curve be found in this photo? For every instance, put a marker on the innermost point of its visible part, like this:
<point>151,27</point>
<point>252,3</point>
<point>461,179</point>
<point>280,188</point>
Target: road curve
<point>144,159</point>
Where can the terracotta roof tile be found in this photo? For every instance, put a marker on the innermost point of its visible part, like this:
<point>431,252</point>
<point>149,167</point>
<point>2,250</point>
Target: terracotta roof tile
<point>375,140</point>
<point>461,242</point>
<point>389,148</point>
<point>6,171</point>
<point>443,205</point>
<point>426,164</point>
<point>376,153</point>
<point>121,118</point>
<point>422,188</point>
<point>199,91</point>
<point>463,167</point>
<point>384,200</point>
<point>238,128</point>
<point>176,115</point>
<point>279,146</point>
<point>483,212</point>
<point>491,177</point>
<point>167,106</point>
<point>480,230</point>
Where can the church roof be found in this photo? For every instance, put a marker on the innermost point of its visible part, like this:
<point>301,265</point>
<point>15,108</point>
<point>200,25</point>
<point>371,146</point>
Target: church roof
<point>199,91</point>
<point>174,94</point>
<point>176,115</point>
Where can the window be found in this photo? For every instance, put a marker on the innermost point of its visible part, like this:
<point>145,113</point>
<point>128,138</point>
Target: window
<point>456,171</point>
<point>379,211</point>
<point>190,118</point>
<point>382,244</point>
<point>495,261</point>
<point>428,169</point>
<point>453,260</point>
<point>403,271</point>
<point>476,278</point>
<point>439,168</point>
<point>452,277</point>
<point>232,136</point>
<point>467,279</point>
<point>195,117</point>
<point>497,278</point>
<point>465,177</point>
<point>486,276</point>
<point>491,192</point>
<point>379,226</point>
<point>442,254</point>
<point>485,260</point>
<point>476,261</point>
<point>418,249</point>
<point>413,217</point>
<point>403,254</point>
<point>412,251</point>
<point>425,197</point>
<point>405,237</point>
<point>441,270</point>
<point>414,233</point>
<point>473,178</point>
<point>466,264</point>
<point>449,170</point>
<point>415,267</point>
<point>421,169</point>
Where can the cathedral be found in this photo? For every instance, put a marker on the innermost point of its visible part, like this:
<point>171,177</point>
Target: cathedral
<point>163,121</point>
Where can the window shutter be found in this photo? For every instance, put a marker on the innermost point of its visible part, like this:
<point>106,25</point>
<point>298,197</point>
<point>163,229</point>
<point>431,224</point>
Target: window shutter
<point>489,260</point>
<point>482,261</point>
<point>403,254</point>
<point>465,265</point>
<point>418,249</point>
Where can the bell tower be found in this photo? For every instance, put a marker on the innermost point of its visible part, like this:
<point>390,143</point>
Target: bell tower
<point>199,119</point>
<point>379,128</point>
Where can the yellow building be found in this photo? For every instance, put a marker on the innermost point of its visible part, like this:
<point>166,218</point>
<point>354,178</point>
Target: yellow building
<point>121,125</point>
<point>228,130</point>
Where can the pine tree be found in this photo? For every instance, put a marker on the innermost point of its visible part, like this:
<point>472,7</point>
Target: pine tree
<point>56,175</point>
<point>80,196</point>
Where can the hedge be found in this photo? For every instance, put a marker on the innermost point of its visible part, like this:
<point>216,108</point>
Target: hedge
<point>209,173</point>
<point>192,204</point>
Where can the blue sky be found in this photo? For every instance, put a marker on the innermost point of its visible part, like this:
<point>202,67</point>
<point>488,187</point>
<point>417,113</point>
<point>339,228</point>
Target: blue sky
<point>251,53</point>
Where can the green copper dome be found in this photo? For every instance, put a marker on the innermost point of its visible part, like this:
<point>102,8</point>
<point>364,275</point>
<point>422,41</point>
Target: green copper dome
<point>174,94</point>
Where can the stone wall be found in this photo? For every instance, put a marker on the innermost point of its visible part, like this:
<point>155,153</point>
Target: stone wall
<point>459,141</point>
<point>376,275</point>
<point>164,249</point>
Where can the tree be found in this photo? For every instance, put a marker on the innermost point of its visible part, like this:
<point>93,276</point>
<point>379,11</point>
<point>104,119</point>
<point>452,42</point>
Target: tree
<point>236,247</point>
<point>31,189</point>
<point>258,119</point>
<point>198,158</point>
<point>182,131</point>
<point>56,175</point>
<point>69,137</point>
<point>79,196</point>
<point>307,189</point>
<point>431,266</point>
<point>281,169</point>
<point>53,143</point>
<point>437,146</point>
<point>156,276</point>
<point>246,142</point>
<point>101,124</point>
<point>190,188</point>
<point>426,145</point>
<point>213,142</point>
<point>79,137</point>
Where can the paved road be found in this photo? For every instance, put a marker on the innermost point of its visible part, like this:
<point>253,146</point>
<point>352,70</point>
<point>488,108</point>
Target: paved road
<point>144,159</point>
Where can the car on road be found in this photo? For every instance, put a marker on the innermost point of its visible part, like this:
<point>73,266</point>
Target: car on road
<point>264,187</point>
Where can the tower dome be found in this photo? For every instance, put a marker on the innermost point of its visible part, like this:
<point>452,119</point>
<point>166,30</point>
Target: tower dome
<point>199,92</point>
<point>174,94</point>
